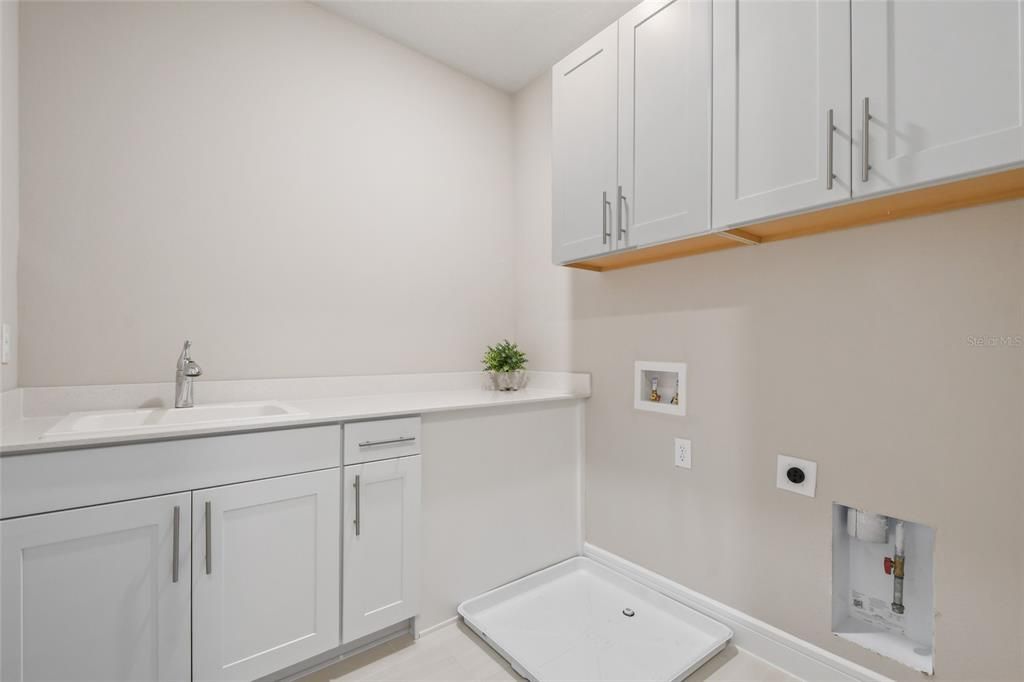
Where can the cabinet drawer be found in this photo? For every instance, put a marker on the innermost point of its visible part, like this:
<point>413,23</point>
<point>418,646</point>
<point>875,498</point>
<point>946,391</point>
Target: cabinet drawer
<point>381,439</point>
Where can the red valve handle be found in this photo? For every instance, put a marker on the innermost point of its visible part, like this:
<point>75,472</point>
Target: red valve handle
<point>888,563</point>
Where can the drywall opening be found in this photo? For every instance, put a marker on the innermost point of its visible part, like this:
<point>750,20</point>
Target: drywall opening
<point>660,387</point>
<point>883,585</point>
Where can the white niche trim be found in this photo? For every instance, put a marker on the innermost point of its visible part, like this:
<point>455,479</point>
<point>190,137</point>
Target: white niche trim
<point>671,378</point>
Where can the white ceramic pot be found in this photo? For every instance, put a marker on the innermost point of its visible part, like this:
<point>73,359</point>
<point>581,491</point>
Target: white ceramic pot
<point>508,381</point>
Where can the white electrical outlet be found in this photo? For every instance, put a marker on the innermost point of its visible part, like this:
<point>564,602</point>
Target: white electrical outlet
<point>683,453</point>
<point>5,343</point>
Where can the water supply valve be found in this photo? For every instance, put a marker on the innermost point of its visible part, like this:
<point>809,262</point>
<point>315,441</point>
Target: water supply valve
<point>894,566</point>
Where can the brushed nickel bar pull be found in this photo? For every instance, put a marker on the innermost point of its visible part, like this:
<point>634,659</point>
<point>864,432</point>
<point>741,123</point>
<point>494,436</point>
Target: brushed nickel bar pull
<point>357,521</point>
<point>606,207</point>
<point>830,129</point>
<point>389,441</point>
<point>865,159</point>
<point>209,538</point>
<point>176,543</point>
<point>622,225</point>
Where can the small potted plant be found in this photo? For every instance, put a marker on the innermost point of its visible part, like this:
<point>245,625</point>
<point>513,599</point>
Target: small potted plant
<point>506,365</point>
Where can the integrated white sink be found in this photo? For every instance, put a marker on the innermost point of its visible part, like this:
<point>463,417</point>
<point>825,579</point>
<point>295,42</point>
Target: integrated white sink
<point>106,421</point>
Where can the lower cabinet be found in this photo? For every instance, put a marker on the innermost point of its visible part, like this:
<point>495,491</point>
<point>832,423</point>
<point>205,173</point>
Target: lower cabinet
<point>235,582</point>
<point>265,573</point>
<point>97,593</point>
<point>381,545</point>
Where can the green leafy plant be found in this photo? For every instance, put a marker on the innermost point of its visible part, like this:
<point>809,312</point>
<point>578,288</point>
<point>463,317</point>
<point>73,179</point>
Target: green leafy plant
<point>504,357</point>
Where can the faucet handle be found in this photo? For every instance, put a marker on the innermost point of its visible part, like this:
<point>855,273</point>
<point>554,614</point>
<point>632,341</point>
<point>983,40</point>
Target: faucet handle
<point>186,355</point>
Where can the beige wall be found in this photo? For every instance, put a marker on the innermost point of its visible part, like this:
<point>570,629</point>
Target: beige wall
<point>543,306</point>
<point>500,500</point>
<point>297,195</point>
<point>851,349</point>
<point>9,184</point>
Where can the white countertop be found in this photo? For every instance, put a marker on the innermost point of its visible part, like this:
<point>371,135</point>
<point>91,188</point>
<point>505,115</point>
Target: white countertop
<point>25,433</point>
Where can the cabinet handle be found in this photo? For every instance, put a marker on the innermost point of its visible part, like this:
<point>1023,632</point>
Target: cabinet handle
<point>176,543</point>
<point>606,209</point>
<point>401,439</point>
<point>622,225</point>
<point>865,160</point>
<point>209,539</point>
<point>357,520</point>
<point>830,130</point>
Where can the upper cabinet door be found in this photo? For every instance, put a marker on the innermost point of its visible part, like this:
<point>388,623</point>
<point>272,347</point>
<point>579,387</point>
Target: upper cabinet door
<point>266,573</point>
<point>664,122</point>
<point>584,101</point>
<point>781,74</point>
<point>940,82</point>
<point>100,593</point>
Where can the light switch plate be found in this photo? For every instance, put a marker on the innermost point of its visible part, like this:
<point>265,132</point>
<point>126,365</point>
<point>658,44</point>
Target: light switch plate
<point>810,469</point>
<point>683,453</point>
<point>5,343</point>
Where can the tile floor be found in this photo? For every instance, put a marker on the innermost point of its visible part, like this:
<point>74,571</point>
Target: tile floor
<point>454,653</point>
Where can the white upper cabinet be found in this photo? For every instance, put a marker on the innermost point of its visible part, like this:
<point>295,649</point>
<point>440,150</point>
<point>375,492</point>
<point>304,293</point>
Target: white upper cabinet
<point>941,83</point>
<point>736,112</point>
<point>100,593</point>
<point>584,119</point>
<point>664,136</point>
<point>265,574</point>
<point>781,107</point>
<point>381,545</point>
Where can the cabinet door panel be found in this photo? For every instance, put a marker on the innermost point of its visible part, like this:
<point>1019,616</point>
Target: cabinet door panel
<point>664,121</point>
<point>584,101</point>
<point>780,67</point>
<point>269,596</point>
<point>89,594</point>
<point>944,83</point>
<point>381,551</point>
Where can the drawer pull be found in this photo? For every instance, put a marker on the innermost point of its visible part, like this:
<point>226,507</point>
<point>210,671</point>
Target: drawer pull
<point>389,441</point>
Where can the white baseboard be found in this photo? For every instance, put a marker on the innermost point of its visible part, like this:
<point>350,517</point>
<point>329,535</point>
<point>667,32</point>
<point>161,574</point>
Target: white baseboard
<point>795,656</point>
<point>302,670</point>
<point>436,626</point>
<point>308,667</point>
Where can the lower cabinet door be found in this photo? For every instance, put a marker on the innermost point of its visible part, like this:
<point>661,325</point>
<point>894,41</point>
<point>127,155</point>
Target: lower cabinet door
<point>381,545</point>
<point>97,593</point>
<point>266,574</point>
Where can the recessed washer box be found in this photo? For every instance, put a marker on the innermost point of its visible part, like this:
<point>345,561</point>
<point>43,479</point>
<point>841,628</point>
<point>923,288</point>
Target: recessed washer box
<point>869,608</point>
<point>665,379</point>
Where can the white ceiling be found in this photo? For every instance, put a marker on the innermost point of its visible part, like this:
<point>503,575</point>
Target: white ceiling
<point>506,43</point>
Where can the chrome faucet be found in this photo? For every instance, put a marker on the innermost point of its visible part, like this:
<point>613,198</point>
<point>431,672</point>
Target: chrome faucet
<point>187,371</point>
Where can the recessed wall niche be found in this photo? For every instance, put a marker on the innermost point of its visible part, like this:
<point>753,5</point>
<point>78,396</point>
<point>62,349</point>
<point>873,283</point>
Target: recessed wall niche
<point>660,387</point>
<point>883,585</point>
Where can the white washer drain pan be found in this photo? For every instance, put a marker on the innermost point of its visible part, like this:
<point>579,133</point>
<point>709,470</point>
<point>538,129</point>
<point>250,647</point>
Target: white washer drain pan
<point>567,623</point>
